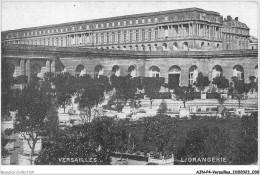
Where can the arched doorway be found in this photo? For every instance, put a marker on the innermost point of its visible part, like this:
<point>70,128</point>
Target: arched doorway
<point>132,71</point>
<point>217,71</point>
<point>238,71</point>
<point>154,71</point>
<point>80,70</point>
<point>174,76</point>
<point>98,71</point>
<point>193,74</point>
<point>116,70</point>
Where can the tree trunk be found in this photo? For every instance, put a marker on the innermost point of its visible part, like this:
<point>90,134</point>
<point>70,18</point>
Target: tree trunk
<point>64,109</point>
<point>32,152</point>
<point>184,104</point>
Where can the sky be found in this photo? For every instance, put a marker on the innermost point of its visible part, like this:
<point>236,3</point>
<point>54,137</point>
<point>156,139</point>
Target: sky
<point>16,15</point>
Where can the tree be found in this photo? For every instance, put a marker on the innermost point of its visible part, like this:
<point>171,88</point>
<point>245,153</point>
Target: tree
<point>94,142</point>
<point>221,82</point>
<point>31,119</point>
<point>152,87</point>
<point>252,85</point>
<point>6,91</point>
<point>245,147</point>
<point>201,81</point>
<point>125,89</point>
<point>63,89</point>
<point>160,130</point>
<point>184,94</point>
<point>91,96</point>
<point>162,108</point>
<point>239,88</point>
<point>206,142</point>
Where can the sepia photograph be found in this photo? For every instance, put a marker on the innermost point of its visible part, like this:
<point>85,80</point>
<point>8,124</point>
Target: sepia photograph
<point>135,83</point>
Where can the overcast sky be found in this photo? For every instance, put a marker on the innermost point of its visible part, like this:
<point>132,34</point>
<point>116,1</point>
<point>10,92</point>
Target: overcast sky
<point>17,15</point>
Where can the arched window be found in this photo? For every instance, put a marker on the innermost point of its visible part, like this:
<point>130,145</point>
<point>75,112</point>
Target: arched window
<point>143,48</point>
<point>98,71</point>
<point>217,71</point>
<point>130,47</point>
<point>154,71</point>
<point>118,47</point>
<point>202,44</point>
<point>155,47</point>
<point>149,48</point>
<point>175,46</point>
<point>80,70</point>
<point>116,70</point>
<point>193,74</point>
<point>165,47</point>
<point>124,47</point>
<point>136,47</point>
<point>238,71</point>
<point>132,71</point>
<point>185,46</point>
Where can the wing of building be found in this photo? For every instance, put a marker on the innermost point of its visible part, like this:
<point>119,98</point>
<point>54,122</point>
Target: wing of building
<point>183,29</point>
<point>175,44</point>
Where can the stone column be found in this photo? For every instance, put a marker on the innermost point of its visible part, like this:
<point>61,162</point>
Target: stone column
<point>28,69</point>
<point>53,66</point>
<point>22,66</point>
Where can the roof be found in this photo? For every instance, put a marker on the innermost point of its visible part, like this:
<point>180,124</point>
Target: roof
<point>235,23</point>
<point>118,18</point>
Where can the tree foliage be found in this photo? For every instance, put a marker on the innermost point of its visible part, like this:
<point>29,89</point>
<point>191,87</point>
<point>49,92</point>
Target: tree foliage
<point>221,82</point>
<point>201,81</point>
<point>152,86</point>
<point>32,119</point>
<point>184,94</point>
<point>64,89</point>
<point>160,130</point>
<point>94,141</point>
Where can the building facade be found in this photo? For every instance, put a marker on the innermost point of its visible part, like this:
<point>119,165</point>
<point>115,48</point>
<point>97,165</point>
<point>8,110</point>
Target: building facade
<point>177,67</point>
<point>184,29</point>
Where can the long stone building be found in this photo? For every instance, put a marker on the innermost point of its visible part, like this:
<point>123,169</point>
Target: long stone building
<point>176,44</point>
<point>184,29</point>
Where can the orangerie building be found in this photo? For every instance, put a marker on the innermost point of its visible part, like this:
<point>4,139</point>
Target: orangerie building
<point>175,44</point>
